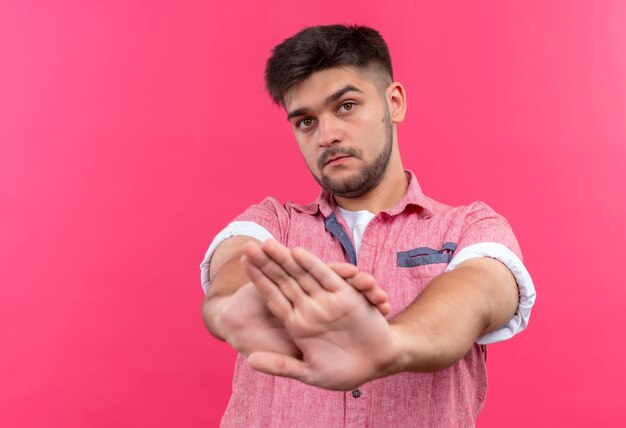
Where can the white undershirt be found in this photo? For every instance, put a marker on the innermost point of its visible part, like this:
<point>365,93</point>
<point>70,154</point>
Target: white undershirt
<point>357,221</point>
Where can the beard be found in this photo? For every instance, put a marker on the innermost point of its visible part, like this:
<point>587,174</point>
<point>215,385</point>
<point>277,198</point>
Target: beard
<point>362,181</point>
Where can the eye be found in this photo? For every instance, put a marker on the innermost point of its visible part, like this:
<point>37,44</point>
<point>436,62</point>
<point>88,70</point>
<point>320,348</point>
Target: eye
<point>304,123</point>
<point>346,106</point>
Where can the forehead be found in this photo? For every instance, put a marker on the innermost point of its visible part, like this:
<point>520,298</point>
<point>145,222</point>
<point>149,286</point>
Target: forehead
<point>318,86</point>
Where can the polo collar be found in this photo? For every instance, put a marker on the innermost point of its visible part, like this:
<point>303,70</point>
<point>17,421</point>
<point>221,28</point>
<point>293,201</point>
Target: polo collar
<point>325,203</point>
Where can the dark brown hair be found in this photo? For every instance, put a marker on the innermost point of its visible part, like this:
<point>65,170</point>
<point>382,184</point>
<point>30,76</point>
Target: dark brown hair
<point>319,48</point>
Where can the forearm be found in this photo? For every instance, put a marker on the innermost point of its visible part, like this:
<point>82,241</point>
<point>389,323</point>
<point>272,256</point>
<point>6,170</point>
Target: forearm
<point>456,308</point>
<point>229,278</point>
<point>226,277</point>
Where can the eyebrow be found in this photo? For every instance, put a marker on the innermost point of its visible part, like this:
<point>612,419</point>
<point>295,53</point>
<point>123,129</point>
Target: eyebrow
<point>329,99</point>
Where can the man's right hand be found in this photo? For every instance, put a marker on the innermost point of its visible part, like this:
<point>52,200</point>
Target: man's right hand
<point>243,320</point>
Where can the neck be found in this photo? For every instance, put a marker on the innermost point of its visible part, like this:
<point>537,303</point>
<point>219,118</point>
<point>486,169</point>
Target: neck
<point>384,196</point>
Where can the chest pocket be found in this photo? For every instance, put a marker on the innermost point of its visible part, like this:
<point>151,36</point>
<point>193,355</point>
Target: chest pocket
<point>422,256</point>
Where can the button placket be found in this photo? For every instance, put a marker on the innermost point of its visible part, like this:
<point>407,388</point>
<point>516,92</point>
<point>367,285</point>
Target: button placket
<point>357,405</point>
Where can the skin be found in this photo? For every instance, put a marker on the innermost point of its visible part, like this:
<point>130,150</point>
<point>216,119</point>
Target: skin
<point>358,120</point>
<point>345,343</point>
<point>316,322</point>
<point>234,311</point>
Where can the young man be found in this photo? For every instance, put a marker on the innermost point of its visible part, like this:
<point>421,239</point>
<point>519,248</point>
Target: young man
<point>372,305</point>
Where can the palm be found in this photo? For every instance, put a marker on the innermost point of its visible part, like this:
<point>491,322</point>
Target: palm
<point>250,327</point>
<point>341,337</point>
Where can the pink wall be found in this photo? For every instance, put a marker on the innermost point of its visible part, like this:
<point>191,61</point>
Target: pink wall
<point>131,132</point>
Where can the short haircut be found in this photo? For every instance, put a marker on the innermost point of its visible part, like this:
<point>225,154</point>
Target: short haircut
<point>319,48</point>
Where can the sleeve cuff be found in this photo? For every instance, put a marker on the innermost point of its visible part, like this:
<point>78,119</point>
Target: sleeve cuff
<point>236,228</point>
<point>524,283</point>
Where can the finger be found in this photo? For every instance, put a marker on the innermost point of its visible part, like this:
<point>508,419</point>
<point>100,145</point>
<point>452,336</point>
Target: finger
<point>281,255</point>
<point>274,299</point>
<point>384,308</point>
<point>365,283</point>
<point>343,269</point>
<point>274,272</point>
<point>318,269</point>
<point>368,286</point>
<point>280,365</point>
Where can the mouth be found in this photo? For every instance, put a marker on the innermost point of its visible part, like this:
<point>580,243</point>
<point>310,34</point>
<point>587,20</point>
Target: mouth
<point>336,159</point>
<point>336,156</point>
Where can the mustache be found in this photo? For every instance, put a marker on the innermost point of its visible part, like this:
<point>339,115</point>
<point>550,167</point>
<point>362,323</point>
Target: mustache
<point>336,151</point>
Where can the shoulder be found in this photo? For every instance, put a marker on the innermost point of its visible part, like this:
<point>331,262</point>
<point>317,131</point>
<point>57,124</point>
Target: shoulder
<point>470,213</point>
<point>272,206</point>
<point>472,223</point>
<point>274,215</point>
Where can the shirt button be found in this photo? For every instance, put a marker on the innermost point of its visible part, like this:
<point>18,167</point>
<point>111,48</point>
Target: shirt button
<point>356,393</point>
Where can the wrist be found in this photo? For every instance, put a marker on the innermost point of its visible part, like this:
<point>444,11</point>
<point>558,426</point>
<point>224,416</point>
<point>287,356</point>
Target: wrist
<point>212,314</point>
<point>390,357</point>
<point>400,355</point>
<point>415,351</point>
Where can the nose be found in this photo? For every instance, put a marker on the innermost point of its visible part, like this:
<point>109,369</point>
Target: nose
<point>328,131</point>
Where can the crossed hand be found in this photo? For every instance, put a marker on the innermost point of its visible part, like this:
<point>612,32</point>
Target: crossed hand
<point>332,312</point>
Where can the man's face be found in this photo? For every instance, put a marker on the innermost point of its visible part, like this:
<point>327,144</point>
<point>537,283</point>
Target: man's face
<point>341,120</point>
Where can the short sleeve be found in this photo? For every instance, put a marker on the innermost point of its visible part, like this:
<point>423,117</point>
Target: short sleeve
<point>487,234</point>
<point>266,220</point>
<point>483,224</point>
<point>269,214</point>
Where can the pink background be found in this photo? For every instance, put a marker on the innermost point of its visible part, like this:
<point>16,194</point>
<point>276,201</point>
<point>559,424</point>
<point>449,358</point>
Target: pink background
<point>131,132</point>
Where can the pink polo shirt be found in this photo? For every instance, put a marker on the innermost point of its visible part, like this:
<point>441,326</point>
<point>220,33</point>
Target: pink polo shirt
<point>403,248</point>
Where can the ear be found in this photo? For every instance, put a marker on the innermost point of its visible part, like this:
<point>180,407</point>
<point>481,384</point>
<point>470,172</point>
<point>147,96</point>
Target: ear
<point>396,99</point>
